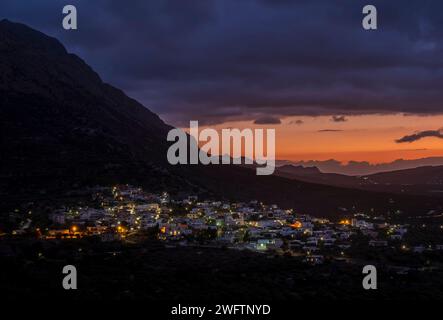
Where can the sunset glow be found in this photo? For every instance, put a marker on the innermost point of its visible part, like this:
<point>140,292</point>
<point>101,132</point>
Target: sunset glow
<point>369,138</point>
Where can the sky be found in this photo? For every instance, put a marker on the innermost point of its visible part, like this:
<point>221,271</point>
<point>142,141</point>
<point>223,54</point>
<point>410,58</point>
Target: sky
<point>306,68</point>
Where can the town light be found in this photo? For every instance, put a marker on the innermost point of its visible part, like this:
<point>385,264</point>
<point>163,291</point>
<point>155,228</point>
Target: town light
<point>296,224</point>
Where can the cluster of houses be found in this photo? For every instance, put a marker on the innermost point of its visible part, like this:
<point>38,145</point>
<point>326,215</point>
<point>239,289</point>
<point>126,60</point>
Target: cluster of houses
<point>123,211</point>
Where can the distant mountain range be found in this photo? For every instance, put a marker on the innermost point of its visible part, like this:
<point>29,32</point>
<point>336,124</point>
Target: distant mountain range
<point>422,180</point>
<point>359,168</point>
<point>63,128</point>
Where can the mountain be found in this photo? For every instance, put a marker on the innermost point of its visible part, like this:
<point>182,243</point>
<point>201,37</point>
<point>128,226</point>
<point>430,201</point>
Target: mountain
<point>63,128</point>
<point>359,168</point>
<point>431,175</point>
<point>314,175</point>
<point>61,124</point>
<point>422,180</point>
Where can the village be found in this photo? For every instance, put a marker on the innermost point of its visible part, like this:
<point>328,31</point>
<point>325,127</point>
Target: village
<point>127,213</point>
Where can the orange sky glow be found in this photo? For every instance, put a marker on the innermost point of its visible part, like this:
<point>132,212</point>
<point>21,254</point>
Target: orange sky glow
<point>361,138</point>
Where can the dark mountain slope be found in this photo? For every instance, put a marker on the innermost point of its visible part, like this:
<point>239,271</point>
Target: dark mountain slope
<point>61,124</point>
<point>430,175</point>
<point>314,175</point>
<point>423,180</point>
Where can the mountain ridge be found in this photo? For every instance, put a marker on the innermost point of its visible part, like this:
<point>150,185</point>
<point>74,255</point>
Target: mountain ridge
<point>361,168</point>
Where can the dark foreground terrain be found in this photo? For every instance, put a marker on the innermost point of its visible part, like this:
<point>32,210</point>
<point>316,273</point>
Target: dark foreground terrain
<point>149,271</point>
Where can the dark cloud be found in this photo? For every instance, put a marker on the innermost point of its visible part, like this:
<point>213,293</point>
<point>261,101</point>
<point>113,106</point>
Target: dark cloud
<point>297,122</point>
<point>420,135</point>
<point>338,119</point>
<point>218,60</point>
<point>267,120</point>
<point>329,130</point>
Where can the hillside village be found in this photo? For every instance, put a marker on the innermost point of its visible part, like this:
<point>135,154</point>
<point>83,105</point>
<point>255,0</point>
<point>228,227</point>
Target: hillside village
<point>127,213</point>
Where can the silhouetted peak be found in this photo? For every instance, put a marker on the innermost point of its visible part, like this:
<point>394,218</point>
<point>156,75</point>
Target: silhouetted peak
<point>19,37</point>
